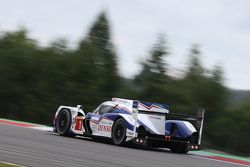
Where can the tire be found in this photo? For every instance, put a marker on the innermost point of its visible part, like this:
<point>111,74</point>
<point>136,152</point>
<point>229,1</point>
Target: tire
<point>179,148</point>
<point>63,123</point>
<point>119,132</point>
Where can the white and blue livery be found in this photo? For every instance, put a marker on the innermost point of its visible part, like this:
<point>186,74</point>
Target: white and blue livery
<point>126,121</point>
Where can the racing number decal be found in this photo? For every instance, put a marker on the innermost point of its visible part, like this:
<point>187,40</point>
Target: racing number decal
<point>104,128</point>
<point>78,125</point>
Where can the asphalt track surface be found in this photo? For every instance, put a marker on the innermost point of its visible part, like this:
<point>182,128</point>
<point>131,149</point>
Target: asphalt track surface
<point>29,147</point>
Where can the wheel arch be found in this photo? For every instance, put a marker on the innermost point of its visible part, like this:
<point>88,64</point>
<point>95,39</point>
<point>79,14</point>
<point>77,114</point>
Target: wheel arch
<point>67,131</point>
<point>128,125</point>
<point>118,117</point>
<point>56,115</point>
<point>74,111</point>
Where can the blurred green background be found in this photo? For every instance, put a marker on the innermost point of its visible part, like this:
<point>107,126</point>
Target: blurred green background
<point>35,80</point>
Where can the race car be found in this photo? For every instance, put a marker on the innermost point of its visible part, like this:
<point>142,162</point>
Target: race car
<point>132,121</point>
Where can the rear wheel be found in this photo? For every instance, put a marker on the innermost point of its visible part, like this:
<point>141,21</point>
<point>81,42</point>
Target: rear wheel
<point>119,132</point>
<point>63,123</point>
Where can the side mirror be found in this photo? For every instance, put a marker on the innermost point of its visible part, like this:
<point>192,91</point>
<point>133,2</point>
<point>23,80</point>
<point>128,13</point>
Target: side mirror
<point>80,107</point>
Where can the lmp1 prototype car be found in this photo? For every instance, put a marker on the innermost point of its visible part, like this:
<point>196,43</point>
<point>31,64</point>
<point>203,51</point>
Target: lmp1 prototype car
<point>126,121</point>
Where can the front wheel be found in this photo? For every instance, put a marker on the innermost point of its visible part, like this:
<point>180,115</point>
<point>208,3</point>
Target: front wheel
<point>63,123</point>
<point>119,132</point>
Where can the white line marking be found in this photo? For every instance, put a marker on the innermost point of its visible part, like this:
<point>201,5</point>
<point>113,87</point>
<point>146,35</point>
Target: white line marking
<point>43,128</point>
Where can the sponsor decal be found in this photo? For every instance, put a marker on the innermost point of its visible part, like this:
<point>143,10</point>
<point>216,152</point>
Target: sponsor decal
<point>104,128</point>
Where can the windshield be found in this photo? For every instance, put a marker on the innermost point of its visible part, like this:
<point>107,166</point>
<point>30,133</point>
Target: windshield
<point>103,109</point>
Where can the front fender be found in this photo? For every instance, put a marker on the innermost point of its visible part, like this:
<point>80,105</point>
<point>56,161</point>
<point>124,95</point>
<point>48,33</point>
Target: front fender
<point>74,111</point>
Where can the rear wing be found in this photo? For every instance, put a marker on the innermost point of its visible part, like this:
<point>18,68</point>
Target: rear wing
<point>199,119</point>
<point>143,106</point>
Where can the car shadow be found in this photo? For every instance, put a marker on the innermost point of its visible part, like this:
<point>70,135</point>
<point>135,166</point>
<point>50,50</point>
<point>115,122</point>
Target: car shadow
<point>101,140</point>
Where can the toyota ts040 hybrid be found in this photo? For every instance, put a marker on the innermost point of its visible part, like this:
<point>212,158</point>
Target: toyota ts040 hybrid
<point>125,121</point>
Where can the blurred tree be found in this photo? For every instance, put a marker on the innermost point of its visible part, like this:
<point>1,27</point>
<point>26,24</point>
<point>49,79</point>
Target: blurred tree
<point>238,129</point>
<point>153,79</point>
<point>218,74</point>
<point>99,37</point>
<point>156,63</point>
<point>194,81</point>
<point>84,73</point>
<point>15,51</point>
<point>195,69</point>
<point>59,46</point>
<point>232,128</point>
<point>205,90</point>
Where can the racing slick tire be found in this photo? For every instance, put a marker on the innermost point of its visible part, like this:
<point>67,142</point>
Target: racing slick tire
<point>179,148</point>
<point>119,132</point>
<point>63,123</point>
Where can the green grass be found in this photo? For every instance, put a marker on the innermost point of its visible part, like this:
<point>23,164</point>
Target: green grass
<point>2,164</point>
